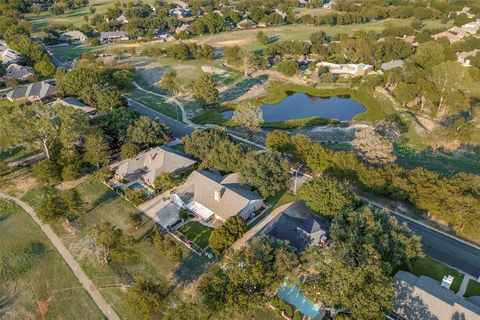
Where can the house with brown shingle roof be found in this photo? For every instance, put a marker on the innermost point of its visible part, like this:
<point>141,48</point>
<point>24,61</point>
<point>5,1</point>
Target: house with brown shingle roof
<point>147,165</point>
<point>209,195</point>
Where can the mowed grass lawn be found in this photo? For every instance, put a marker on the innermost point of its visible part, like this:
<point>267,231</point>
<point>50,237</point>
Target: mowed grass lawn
<point>104,205</point>
<point>49,281</point>
<point>196,232</point>
<point>436,270</point>
<point>473,289</point>
<point>68,52</point>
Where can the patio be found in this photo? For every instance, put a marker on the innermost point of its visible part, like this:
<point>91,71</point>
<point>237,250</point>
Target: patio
<point>161,210</point>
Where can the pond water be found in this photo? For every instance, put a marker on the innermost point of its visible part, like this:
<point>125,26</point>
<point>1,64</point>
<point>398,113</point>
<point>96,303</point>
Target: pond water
<point>300,106</point>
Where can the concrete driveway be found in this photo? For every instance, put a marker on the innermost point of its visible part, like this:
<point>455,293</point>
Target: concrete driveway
<point>161,210</point>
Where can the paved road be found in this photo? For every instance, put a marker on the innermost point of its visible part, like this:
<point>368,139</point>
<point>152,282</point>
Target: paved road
<point>69,259</point>
<point>443,247</point>
<point>179,129</point>
<point>437,245</point>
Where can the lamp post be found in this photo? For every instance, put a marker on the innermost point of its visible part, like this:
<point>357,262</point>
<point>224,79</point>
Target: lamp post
<point>295,182</point>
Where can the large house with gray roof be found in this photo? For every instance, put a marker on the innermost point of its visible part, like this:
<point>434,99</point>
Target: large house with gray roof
<point>424,298</point>
<point>298,225</point>
<point>112,36</point>
<point>209,195</point>
<point>146,166</point>
<point>36,91</point>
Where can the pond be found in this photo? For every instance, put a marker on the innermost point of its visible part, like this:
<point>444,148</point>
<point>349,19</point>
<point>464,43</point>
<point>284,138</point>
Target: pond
<point>299,105</point>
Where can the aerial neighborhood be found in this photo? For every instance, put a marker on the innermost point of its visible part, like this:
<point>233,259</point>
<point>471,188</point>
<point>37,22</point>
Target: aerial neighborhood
<point>208,160</point>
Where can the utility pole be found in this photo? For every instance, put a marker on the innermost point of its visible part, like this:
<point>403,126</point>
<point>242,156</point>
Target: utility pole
<point>295,182</point>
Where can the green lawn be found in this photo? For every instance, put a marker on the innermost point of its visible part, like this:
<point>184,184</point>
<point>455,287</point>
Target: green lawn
<point>473,289</point>
<point>436,270</point>
<point>196,232</point>
<point>69,52</point>
<point>49,281</point>
<point>156,103</point>
<point>104,205</point>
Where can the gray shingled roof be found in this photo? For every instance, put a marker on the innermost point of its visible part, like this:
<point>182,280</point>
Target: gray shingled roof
<point>424,298</point>
<point>33,90</point>
<point>201,187</point>
<point>154,161</point>
<point>299,226</point>
<point>112,35</point>
<point>392,64</point>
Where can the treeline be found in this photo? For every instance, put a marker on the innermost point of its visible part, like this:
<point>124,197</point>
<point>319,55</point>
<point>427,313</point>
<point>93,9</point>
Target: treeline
<point>455,200</point>
<point>181,51</point>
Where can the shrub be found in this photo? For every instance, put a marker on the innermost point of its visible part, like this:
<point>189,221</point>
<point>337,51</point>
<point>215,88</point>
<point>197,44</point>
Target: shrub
<point>287,67</point>
<point>297,315</point>
<point>288,309</point>
<point>183,214</point>
<point>135,196</point>
<point>46,172</point>
<point>281,304</point>
<point>275,301</point>
<point>71,172</point>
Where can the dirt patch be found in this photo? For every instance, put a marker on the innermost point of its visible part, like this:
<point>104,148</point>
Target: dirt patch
<point>231,43</point>
<point>72,184</point>
<point>18,182</point>
<point>257,91</point>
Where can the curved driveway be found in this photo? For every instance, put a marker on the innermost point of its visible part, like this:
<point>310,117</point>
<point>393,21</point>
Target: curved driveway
<point>69,259</point>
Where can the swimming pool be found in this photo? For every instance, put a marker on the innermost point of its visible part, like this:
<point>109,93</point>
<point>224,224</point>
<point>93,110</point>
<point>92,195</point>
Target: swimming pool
<point>141,186</point>
<point>294,296</point>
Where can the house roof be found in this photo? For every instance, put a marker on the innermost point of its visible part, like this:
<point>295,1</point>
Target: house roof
<point>9,55</point>
<point>35,90</point>
<point>74,35</point>
<point>299,226</point>
<point>202,186</point>
<point>76,104</point>
<point>424,298</point>
<point>392,64</point>
<point>154,161</point>
<point>113,34</point>
<point>18,72</point>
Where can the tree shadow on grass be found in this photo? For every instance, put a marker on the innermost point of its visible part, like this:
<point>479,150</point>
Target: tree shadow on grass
<point>105,198</point>
<point>190,269</point>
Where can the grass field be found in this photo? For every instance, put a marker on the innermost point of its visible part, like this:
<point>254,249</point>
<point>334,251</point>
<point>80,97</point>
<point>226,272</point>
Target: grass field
<point>67,52</point>
<point>196,232</point>
<point>50,282</point>
<point>104,205</point>
<point>247,38</point>
<point>473,289</point>
<point>436,270</point>
<point>156,103</point>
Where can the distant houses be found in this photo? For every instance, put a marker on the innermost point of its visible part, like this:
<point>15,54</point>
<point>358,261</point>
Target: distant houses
<point>464,57</point>
<point>75,37</point>
<point>211,196</point>
<point>455,34</point>
<point>146,166</point>
<point>112,36</point>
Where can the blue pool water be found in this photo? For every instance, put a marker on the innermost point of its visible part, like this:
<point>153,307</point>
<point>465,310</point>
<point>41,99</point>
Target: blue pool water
<point>300,106</point>
<point>138,185</point>
<point>293,296</point>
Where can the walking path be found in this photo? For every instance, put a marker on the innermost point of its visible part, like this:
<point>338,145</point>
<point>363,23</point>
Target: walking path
<point>167,98</point>
<point>69,259</point>
<point>463,286</point>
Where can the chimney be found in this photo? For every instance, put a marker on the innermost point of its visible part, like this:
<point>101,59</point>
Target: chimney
<point>217,194</point>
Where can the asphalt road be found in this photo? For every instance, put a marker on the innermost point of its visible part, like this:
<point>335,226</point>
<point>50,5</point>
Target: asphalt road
<point>446,249</point>
<point>179,129</point>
